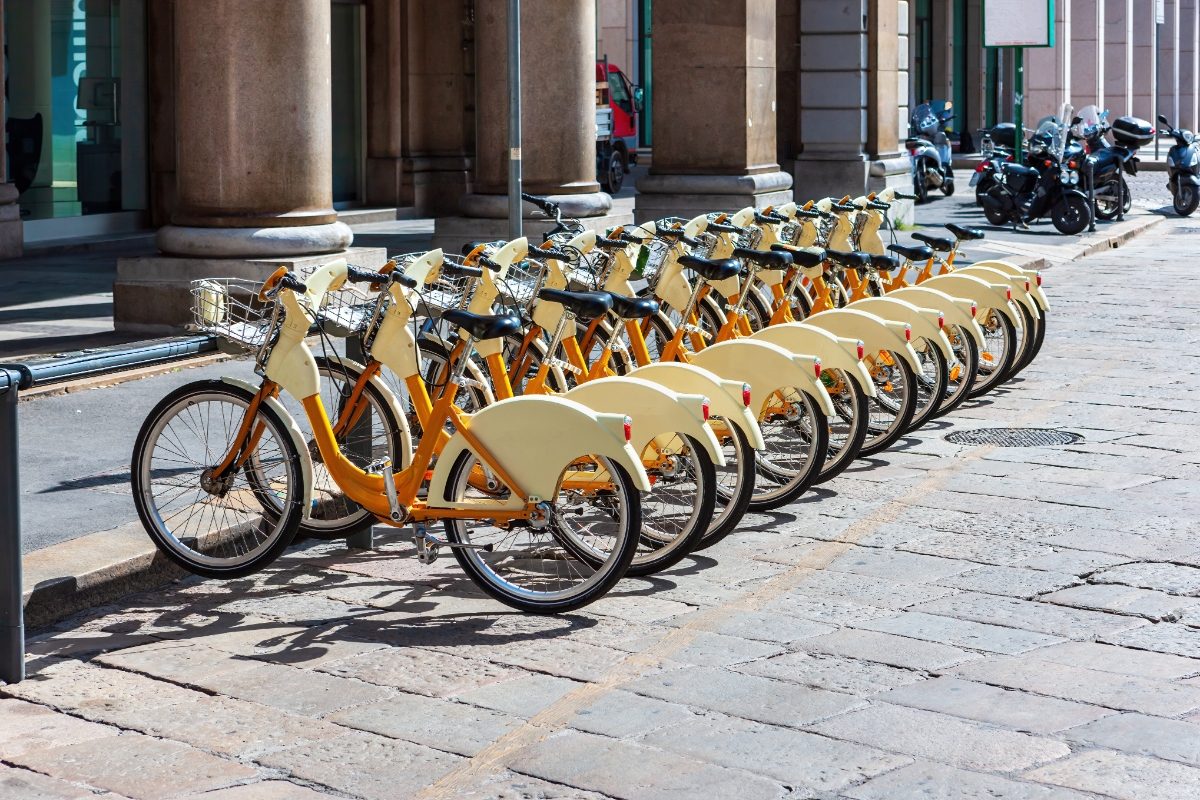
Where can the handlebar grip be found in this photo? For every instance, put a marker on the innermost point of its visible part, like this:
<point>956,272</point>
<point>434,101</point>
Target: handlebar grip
<point>404,280</point>
<point>451,268</point>
<point>723,227</point>
<point>808,212</point>
<point>604,241</point>
<point>904,196</point>
<point>290,281</point>
<point>484,261</point>
<point>545,204</point>
<point>629,239</point>
<point>878,205</point>
<point>843,206</point>
<point>767,218</point>
<point>359,275</point>
<point>549,252</point>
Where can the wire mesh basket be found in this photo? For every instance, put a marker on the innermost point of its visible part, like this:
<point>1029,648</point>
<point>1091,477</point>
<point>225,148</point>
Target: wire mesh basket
<point>656,256</point>
<point>229,309</point>
<point>520,284</point>
<point>347,312</point>
<point>450,290</point>
<point>789,232</point>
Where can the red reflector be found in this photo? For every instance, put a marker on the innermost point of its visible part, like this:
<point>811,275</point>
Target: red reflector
<point>1047,163</point>
<point>704,408</point>
<point>746,395</point>
<point>862,351</point>
<point>974,309</point>
<point>1039,279</point>
<point>1027,286</point>
<point>1071,164</point>
<point>628,429</point>
<point>1008,293</point>
<point>981,166</point>
<point>817,367</point>
<point>941,321</point>
<point>907,333</point>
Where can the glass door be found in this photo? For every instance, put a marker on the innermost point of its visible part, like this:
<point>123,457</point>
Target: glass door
<point>347,85</point>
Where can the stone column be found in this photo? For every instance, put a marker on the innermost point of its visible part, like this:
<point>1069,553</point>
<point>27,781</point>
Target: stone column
<point>1144,67</point>
<point>714,109</point>
<point>11,229</point>
<point>386,70</point>
<point>558,119</point>
<point>1048,70</point>
<point>253,155</point>
<point>1118,56</point>
<point>1087,52</point>
<point>1168,63</point>
<point>853,108</point>
<point>1187,65</point>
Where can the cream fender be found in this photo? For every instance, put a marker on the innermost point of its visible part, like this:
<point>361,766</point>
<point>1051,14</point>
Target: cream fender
<point>835,352</point>
<point>923,321</point>
<point>537,437</point>
<point>725,396</point>
<point>657,412</point>
<point>293,431</point>
<point>956,309</point>
<point>1021,285</point>
<point>875,332</point>
<point>985,294</point>
<point>767,368</point>
<point>1012,269</point>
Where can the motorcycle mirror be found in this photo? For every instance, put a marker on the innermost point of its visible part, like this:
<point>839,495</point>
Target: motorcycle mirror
<point>1162,118</point>
<point>1076,120</point>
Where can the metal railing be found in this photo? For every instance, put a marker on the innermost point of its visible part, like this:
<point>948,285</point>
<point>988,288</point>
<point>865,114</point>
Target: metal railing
<point>15,378</point>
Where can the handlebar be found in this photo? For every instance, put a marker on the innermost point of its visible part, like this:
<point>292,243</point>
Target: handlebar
<point>484,261</point>
<point>453,268</point>
<point>280,279</point>
<point>545,204</point>
<point>676,233</point>
<point>878,205</point>
<point>722,227</point>
<point>549,252</point>
<point>768,219</point>
<point>904,196</point>
<point>843,206</point>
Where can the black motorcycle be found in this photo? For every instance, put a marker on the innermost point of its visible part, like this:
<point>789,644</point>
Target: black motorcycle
<point>996,145</point>
<point>1045,184</point>
<point>1183,169</point>
<point>1107,164</point>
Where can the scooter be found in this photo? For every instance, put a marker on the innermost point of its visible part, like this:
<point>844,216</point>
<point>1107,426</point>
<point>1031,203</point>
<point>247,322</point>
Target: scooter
<point>1046,183</point>
<point>1107,163</point>
<point>1183,169</point>
<point>929,148</point>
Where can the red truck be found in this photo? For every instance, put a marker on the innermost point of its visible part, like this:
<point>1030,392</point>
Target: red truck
<point>618,103</point>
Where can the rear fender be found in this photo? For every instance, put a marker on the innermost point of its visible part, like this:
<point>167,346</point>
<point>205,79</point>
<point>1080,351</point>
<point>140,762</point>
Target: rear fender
<point>534,438</point>
<point>656,411</point>
<point>1018,283</point>
<point>293,432</point>
<point>875,332</point>
<point>835,352</point>
<point>956,309</point>
<point>767,368</point>
<point>1031,275</point>
<point>725,396</point>
<point>985,294</point>
<point>923,321</point>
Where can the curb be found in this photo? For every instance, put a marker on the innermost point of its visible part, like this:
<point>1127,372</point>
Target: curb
<point>69,577</point>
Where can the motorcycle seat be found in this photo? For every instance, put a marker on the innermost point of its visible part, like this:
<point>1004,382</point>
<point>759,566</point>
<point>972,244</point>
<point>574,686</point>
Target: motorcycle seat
<point>483,326</point>
<point>712,270</point>
<point>964,234</point>
<point>912,252</point>
<point>632,307</point>
<point>884,262</point>
<point>802,256</point>
<point>850,260</point>
<point>585,305</point>
<point>769,259</point>
<point>939,243</point>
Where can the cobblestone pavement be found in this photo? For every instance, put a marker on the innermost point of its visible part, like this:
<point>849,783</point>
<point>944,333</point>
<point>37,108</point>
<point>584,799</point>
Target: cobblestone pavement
<point>943,621</point>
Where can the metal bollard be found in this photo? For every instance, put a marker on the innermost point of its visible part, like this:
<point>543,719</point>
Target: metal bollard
<point>1120,196</point>
<point>1091,165</point>
<point>354,351</point>
<point>12,616</point>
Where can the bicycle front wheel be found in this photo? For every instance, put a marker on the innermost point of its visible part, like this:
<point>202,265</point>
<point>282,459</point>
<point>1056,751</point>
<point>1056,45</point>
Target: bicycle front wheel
<point>962,369</point>
<point>931,381</point>
<point>894,403</point>
<point>584,549</point>
<point>996,357</point>
<point>796,434</point>
<point>217,526</point>
<point>848,425</point>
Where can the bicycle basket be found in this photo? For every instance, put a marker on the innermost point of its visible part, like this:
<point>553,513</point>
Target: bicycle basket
<point>449,290</point>
<point>229,309</point>
<point>520,285</point>
<point>656,250</point>
<point>346,312</point>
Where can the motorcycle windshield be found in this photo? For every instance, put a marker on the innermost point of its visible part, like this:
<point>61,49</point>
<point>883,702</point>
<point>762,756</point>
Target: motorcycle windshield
<point>1051,132</point>
<point>924,120</point>
<point>1090,119</point>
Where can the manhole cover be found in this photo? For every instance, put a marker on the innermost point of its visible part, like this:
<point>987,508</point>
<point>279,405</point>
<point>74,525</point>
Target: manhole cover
<point>1014,437</point>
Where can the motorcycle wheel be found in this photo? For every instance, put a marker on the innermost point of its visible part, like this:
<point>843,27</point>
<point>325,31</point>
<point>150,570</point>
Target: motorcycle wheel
<point>1185,200</point>
<point>1070,215</point>
<point>996,216</point>
<point>947,188</point>
<point>919,187</point>
<point>1106,206</point>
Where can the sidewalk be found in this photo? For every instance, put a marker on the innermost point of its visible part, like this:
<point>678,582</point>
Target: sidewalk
<point>942,621</point>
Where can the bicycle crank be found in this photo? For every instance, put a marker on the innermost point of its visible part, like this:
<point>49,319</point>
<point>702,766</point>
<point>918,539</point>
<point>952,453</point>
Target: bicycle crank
<point>428,545</point>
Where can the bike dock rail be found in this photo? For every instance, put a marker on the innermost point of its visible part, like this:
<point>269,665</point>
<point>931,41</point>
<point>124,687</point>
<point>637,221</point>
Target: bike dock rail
<point>15,378</point>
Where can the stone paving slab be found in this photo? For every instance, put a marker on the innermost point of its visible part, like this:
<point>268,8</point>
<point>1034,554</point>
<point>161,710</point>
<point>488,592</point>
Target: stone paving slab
<point>942,621</point>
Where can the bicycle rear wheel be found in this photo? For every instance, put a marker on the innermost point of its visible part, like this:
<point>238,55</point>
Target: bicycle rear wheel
<point>895,401</point>
<point>225,526</point>
<point>996,357</point>
<point>962,370</point>
<point>595,514</point>
<point>848,425</point>
<point>797,437</point>
<point>930,383</point>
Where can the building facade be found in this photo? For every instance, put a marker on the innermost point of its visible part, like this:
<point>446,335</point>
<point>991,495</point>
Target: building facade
<point>239,128</point>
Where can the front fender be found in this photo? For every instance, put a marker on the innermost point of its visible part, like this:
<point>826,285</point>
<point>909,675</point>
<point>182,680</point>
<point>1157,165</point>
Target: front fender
<point>406,440</point>
<point>655,410</point>
<point>1031,275</point>
<point>293,432</point>
<point>767,368</point>
<point>835,352</point>
<point>725,396</point>
<point>923,321</point>
<point>985,294</point>
<point>956,309</point>
<point>534,438</point>
<point>876,333</point>
<point>1018,283</point>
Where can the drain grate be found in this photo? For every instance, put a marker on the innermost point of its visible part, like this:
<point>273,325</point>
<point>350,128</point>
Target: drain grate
<point>1015,437</point>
